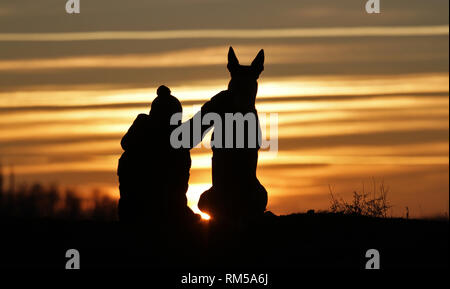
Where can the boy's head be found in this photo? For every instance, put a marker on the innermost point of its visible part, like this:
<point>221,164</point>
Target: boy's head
<point>164,105</point>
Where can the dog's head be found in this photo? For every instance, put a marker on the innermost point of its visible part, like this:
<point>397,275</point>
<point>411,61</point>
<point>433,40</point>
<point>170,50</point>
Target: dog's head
<point>243,85</point>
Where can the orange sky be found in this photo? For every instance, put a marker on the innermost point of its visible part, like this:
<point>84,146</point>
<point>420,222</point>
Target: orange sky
<point>358,97</point>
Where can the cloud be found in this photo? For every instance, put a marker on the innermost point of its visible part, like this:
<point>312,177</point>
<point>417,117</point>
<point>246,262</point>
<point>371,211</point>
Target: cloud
<point>30,142</point>
<point>307,54</point>
<point>144,105</point>
<point>380,31</point>
<point>50,15</point>
<point>367,139</point>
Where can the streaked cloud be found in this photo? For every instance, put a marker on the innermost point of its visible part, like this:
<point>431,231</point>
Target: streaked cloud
<point>270,87</point>
<point>232,34</point>
<point>277,54</point>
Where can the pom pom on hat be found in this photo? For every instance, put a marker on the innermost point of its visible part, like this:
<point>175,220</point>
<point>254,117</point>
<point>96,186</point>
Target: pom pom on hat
<point>163,91</point>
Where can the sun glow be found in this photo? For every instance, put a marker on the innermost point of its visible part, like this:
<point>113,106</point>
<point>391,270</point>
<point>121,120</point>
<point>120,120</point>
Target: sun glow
<point>193,195</point>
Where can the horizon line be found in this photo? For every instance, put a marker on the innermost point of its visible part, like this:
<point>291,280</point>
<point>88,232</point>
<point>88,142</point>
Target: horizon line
<point>328,32</point>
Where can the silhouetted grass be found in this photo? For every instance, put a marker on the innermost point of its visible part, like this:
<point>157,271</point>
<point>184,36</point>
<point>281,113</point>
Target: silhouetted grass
<point>372,204</point>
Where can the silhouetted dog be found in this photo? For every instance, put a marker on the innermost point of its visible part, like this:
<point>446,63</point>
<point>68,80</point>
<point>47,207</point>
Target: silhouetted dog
<point>153,176</point>
<point>236,193</point>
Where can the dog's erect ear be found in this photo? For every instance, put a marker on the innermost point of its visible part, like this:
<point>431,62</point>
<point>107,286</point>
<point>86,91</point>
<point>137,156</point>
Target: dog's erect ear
<point>258,63</point>
<point>233,62</point>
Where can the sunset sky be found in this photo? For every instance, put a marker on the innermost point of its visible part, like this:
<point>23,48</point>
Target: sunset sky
<point>358,96</point>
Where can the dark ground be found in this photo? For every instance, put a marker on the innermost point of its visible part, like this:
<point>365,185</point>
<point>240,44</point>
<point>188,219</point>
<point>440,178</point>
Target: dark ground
<point>298,240</point>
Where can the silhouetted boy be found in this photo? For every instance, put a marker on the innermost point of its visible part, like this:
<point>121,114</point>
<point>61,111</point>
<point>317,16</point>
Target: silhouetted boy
<point>153,176</point>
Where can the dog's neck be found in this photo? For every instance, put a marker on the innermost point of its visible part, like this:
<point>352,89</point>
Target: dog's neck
<point>242,97</point>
